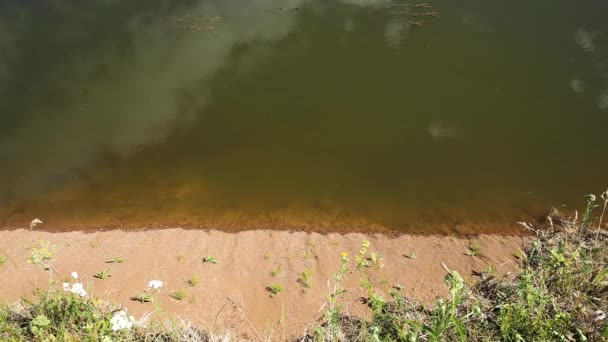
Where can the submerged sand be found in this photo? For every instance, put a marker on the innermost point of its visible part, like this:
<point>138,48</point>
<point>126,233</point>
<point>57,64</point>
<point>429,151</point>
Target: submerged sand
<point>232,294</point>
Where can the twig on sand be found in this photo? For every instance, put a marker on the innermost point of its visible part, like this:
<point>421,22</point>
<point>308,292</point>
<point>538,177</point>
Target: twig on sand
<point>238,307</point>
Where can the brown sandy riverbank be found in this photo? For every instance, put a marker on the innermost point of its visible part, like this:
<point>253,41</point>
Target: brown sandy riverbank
<point>232,294</point>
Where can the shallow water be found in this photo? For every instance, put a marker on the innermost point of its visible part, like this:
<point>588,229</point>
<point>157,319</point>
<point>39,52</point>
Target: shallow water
<point>320,115</point>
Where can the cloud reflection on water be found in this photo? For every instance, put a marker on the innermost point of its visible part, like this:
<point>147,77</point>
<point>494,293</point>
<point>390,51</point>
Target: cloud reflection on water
<point>123,78</point>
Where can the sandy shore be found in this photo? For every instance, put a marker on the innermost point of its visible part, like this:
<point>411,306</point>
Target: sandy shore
<point>232,293</point>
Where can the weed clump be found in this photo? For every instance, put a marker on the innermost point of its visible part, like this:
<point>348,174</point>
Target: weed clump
<point>305,278</point>
<point>560,293</point>
<point>193,280</point>
<point>179,295</point>
<point>275,289</point>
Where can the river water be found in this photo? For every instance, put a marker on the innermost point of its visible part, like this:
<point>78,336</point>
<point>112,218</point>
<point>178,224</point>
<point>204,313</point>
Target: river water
<point>334,115</point>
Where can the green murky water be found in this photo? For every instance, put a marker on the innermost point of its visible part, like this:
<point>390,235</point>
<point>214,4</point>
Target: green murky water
<point>322,115</point>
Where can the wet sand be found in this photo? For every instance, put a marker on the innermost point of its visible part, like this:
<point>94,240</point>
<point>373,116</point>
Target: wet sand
<point>232,294</point>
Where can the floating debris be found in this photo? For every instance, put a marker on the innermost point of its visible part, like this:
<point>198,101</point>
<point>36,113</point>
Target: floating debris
<point>602,100</point>
<point>35,222</point>
<point>194,23</point>
<point>472,20</point>
<point>585,39</point>
<point>349,25</point>
<point>395,31</point>
<point>577,85</point>
<point>417,11</point>
<point>439,130</point>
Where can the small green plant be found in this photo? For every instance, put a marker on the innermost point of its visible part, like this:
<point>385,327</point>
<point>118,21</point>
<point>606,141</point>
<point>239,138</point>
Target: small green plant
<point>210,260</point>
<point>306,277</point>
<point>39,324</point>
<point>366,284</point>
<point>275,289</point>
<point>41,254</point>
<point>277,271</point>
<point>361,259</point>
<point>193,280</point>
<point>475,249</point>
<point>489,271</point>
<point>179,295</point>
<point>143,298</point>
<point>411,256</point>
<point>557,295</point>
<point>115,260</point>
<point>519,254</point>
<point>311,243</point>
<point>103,274</point>
<point>2,261</point>
<point>604,197</point>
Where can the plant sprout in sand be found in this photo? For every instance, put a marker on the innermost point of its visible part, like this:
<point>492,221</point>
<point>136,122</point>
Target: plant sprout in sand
<point>103,274</point>
<point>115,260</point>
<point>179,295</point>
<point>42,254</point>
<point>210,260</point>
<point>275,289</point>
<point>305,277</point>
<point>153,287</point>
<point>193,280</point>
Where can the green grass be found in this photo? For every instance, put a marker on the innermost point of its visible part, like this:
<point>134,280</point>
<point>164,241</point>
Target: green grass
<point>475,249</point>
<point>210,260</point>
<point>2,261</point>
<point>115,260</point>
<point>305,278</point>
<point>275,289</point>
<point>57,316</point>
<point>560,293</point>
<point>103,274</point>
<point>179,295</point>
<point>193,280</point>
<point>143,298</point>
<point>277,271</point>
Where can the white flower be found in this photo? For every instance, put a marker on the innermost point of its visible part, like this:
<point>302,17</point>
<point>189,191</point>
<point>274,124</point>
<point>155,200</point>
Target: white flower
<point>66,286</point>
<point>120,321</point>
<point>78,289</point>
<point>155,284</point>
<point>74,275</point>
<point>35,222</point>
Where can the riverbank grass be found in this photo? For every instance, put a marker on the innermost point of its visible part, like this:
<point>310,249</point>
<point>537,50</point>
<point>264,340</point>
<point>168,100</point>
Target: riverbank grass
<point>559,293</point>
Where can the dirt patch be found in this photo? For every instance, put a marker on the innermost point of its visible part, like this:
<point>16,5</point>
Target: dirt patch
<point>232,294</point>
